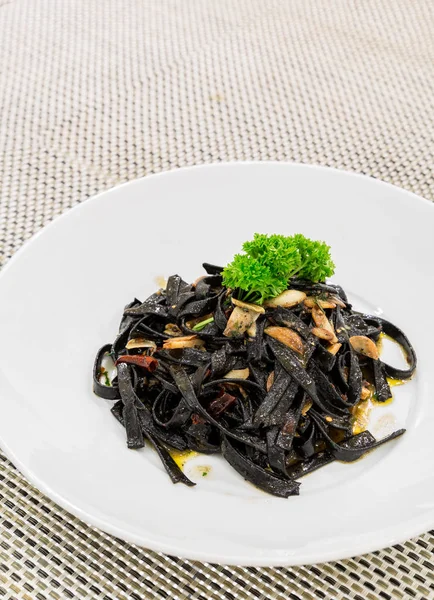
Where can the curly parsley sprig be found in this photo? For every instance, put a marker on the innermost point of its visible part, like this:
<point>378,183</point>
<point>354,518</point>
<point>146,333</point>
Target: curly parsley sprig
<point>269,261</point>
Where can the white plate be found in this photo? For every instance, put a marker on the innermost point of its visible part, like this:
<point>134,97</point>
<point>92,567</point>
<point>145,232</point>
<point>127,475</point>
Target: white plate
<point>62,295</point>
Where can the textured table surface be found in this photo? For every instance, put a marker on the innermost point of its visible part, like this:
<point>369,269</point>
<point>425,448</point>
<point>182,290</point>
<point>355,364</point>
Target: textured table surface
<point>97,92</point>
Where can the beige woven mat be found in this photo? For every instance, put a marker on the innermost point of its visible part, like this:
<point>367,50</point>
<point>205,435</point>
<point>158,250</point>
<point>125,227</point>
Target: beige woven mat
<point>94,93</point>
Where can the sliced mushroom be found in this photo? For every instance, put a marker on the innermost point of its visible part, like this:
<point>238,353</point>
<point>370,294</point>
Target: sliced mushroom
<point>187,341</point>
<point>312,301</point>
<point>286,299</point>
<point>321,321</point>
<point>270,381</point>
<point>286,336</point>
<point>338,301</point>
<point>364,345</point>
<point>323,334</point>
<point>334,348</point>
<point>251,331</point>
<point>237,374</point>
<point>247,306</point>
<point>173,330</point>
<point>239,321</point>
<point>140,343</point>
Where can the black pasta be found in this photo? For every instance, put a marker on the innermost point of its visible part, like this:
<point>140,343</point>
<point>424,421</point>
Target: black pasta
<point>272,389</point>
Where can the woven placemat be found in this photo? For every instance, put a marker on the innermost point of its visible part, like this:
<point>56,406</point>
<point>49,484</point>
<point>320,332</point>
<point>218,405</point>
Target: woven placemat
<point>94,93</point>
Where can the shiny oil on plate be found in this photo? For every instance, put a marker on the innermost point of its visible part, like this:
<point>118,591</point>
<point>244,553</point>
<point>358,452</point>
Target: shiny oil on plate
<point>61,298</point>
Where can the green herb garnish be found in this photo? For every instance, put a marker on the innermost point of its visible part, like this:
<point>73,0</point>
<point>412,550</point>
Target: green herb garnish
<point>104,373</point>
<point>202,324</point>
<point>271,260</point>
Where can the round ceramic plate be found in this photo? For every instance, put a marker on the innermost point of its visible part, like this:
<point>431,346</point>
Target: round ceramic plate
<point>61,298</point>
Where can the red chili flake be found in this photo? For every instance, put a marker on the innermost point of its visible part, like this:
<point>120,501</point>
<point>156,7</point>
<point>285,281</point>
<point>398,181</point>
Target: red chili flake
<point>146,362</point>
<point>197,419</point>
<point>221,404</point>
